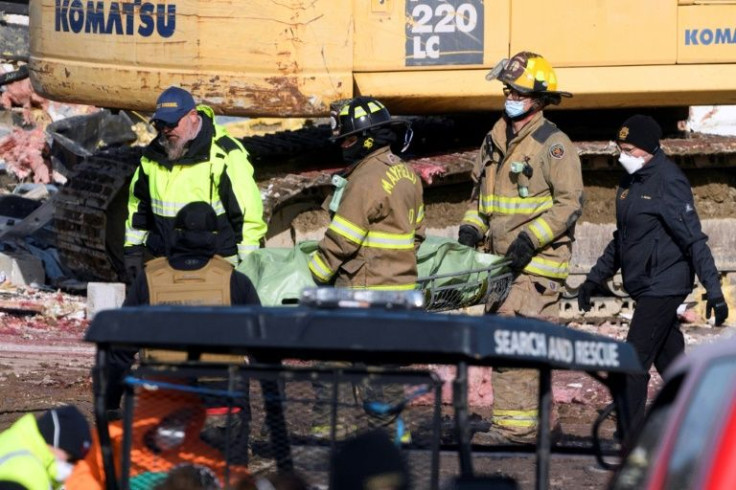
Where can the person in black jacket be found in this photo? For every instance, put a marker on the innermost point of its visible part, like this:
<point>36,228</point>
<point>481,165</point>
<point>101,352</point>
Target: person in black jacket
<point>658,244</point>
<point>191,274</point>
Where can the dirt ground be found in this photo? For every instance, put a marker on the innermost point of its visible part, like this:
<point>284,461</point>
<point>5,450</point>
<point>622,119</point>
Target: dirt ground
<point>43,362</point>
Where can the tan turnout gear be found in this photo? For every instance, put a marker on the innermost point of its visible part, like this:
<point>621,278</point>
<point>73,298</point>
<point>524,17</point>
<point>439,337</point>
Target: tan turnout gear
<point>555,193</point>
<point>515,391</point>
<point>531,184</point>
<point>378,226</point>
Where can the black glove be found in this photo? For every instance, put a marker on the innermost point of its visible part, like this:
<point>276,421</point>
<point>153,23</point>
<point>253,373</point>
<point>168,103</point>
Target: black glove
<point>133,262</point>
<point>584,293</point>
<point>468,235</point>
<point>520,252</point>
<point>720,307</point>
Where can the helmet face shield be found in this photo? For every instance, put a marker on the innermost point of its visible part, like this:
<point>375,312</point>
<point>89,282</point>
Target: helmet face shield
<point>527,73</point>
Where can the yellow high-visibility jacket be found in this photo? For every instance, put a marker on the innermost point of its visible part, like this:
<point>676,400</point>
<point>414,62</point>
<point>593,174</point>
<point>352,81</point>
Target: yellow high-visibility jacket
<point>25,457</point>
<point>215,169</point>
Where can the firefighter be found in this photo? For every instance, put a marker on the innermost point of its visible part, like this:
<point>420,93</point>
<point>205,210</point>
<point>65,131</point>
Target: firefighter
<point>377,220</point>
<point>658,244</point>
<point>377,207</point>
<point>40,454</point>
<point>192,159</point>
<point>528,194</point>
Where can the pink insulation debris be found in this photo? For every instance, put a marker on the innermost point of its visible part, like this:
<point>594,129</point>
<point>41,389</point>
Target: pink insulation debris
<point>427,171</point>
<point>480,392</point>
<point>21,94</point>
<point>23,152</point>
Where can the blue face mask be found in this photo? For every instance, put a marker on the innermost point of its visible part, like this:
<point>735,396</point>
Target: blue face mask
<point>514,108</point>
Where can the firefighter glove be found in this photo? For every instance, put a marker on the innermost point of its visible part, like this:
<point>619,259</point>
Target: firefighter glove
<point>520,252</point>
<point>719,306</point>
<point>584,293</point>
<point>468,235</point>
<point>133,262</point>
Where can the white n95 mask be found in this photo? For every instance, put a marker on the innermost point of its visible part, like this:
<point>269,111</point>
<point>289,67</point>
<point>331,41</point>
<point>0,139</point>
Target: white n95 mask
<point>630,163</point>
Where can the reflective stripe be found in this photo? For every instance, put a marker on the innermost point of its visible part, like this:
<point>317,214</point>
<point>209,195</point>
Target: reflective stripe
<point>513,422</point>
<point>135,236</point>
<point>394,287</point>
<point>474,218</point>
<point>514,205</point>
<point>21,452</point>
<point>319,268</point>
<point>246,249</point>
<point>346,229</point>
<point>542,231</point>
<point>516,413</point>
<point>547,268</point>
<point>168,209</point>
<point>420,214</point>
<point>393,241</point>
<point>515,418</point>
<point>232,259</point>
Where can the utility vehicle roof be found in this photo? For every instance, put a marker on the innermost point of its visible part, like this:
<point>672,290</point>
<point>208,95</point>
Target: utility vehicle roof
<point>362,335</point>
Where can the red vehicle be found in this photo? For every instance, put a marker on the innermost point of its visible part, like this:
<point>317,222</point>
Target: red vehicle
<point>689,438</point>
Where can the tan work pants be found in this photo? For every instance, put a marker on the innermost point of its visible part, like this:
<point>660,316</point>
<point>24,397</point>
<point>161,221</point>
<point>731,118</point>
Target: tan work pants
<point>515,405</point>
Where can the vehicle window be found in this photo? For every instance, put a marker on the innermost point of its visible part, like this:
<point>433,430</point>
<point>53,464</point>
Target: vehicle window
<point>700,425</point>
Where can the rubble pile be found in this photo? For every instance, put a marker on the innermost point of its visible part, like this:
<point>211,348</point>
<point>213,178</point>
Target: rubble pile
<point>37,315</point>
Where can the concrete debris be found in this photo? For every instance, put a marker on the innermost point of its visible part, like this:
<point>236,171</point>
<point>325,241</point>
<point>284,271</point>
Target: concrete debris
<point>39,314</point>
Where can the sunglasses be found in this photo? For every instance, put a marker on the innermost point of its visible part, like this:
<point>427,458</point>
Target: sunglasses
<point>160,125</point>
<point>509,91</point>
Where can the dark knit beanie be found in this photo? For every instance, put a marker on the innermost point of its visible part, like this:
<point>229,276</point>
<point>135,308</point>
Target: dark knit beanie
<point>642,132</point>
<point>196,216</point>
<point>367,461</point>
<point>66,428</point>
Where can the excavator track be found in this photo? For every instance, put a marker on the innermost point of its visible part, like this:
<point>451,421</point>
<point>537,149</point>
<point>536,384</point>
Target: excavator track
<point>89,219</point>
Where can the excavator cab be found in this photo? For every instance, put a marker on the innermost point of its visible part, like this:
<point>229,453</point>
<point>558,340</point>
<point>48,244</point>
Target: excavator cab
<point>324,372</point>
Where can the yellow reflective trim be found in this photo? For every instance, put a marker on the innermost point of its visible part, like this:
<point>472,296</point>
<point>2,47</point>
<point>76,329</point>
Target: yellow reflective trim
<point>547,268</point>
<point>375,106</point>
<point>515,418</point>
<point>517,413</point>
<point>420,214</point>
<point>319,268</point>
<point>395,287</point>
<point>514,423</point>
<point>345,228</point>
<point>542,231</point>
<point>514,205</point>
<point>396,241</point>
<point>474,218</point>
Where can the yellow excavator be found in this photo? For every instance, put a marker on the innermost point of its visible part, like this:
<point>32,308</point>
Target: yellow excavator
<point>422,58</point>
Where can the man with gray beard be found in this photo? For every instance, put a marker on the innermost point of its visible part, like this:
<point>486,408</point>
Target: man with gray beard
<point>192,159</point>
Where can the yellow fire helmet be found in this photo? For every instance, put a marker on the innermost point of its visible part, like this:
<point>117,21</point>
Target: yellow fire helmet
<point>527,72</point>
